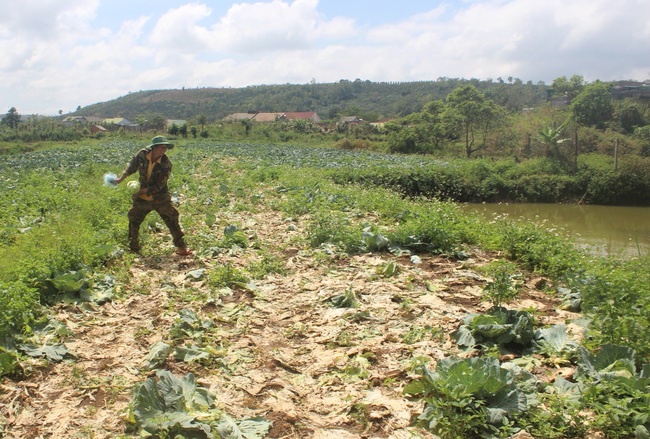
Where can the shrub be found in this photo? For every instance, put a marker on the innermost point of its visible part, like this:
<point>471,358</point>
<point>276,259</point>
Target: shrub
<point>616,295</point>
<point>438,227</point>
<point>536,248</point>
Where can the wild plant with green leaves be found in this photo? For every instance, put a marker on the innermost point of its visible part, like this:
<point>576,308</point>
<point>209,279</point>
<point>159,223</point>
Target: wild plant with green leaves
<point>479,397</point>
<point>336,229</point>
<point>615,295</point>
<point>554,343</point>
<point>226,276</point>
<point>537,249</point>
<point>616,391</point>
<point>504,285</point>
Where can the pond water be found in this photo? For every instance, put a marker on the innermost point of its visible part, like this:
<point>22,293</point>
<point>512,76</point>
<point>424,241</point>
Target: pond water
<point>603,229</point>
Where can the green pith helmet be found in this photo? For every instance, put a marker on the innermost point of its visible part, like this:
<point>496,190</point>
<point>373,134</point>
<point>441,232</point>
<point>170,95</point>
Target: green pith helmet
<point>160,140</point>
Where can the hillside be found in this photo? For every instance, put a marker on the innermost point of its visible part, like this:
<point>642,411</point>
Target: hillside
<point>367,99</point>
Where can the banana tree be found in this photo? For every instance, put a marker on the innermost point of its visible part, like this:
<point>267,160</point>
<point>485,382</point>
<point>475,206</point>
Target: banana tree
<point>550,137</point>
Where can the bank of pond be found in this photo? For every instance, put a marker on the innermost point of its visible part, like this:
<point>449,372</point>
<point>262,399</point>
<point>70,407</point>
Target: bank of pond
<point>602,230</point>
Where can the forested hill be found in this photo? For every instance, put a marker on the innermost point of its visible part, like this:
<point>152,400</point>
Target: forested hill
<point>369,100</point>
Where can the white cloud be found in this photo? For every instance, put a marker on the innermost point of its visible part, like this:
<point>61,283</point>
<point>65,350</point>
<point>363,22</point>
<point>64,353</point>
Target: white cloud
<point>259,27</point>
<point>178,30</point>
<point>46,19</point>
<point>249,28</point>
<point>528,39</point>
<point>55,56</point>
<point>336,29</point>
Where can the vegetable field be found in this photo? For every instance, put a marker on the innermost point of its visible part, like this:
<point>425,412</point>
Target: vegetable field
<point>313,307</point>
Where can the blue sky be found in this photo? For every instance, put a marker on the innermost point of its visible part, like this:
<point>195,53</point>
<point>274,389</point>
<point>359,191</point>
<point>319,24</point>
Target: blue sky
<point>57,55</point>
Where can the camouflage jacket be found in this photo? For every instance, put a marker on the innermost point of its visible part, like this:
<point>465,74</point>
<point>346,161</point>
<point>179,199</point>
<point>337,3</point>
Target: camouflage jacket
<point>157,185</point>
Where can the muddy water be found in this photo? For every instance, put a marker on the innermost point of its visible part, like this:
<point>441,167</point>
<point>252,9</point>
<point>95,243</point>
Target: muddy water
<point>603,229</point>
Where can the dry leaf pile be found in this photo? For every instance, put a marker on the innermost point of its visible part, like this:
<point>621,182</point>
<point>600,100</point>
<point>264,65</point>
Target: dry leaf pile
<point>285,353</point>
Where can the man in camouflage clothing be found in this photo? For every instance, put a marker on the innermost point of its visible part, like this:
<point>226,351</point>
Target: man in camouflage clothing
<point>154,168</point>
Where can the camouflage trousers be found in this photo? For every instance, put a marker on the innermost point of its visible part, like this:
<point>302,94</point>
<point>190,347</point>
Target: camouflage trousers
<point>168,213</point>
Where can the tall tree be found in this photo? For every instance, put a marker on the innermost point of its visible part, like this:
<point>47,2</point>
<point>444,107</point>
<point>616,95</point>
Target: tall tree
<point>627,115</point>
<point>12,118</point>
<point>469,113</point>
<point>157,121</point>
<point>568,87</point>
<point>202,120</point>
<point>593,106</point>
<point>643,134</point>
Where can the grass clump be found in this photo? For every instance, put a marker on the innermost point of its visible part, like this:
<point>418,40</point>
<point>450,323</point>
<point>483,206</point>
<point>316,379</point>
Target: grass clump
<point>19,307</point>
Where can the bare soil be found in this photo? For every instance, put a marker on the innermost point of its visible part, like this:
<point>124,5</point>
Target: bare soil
<point>288,355</point>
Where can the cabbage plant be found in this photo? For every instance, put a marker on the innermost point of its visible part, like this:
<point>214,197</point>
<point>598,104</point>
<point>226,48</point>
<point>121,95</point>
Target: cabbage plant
<point>470,397</point>
<point>170,406</point>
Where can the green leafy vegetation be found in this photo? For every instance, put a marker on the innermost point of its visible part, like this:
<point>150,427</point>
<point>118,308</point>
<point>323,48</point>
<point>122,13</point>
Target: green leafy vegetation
<point>348,299</point>
<point>619,303</point>
<point>616,390</point>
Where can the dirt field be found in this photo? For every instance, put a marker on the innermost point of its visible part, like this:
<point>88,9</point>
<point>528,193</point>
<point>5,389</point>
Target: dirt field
<point>287,355</point>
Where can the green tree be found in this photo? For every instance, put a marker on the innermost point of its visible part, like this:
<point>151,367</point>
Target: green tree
<point>202,120</point>
<point>342,91</point>
<point>627,115</point>
<point>568,87</point>
<point>469,114</point>
<point>156,121</point>
<point>432,116</point>
<point>141,120</point>
<point>417,133</point>
<point>300,126</point>
<point>593,106</point>
<point>643,134</point>
<point>334,113</point>
<point>248,125</point>
<point>493,117</point>
<point>12,118</point>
